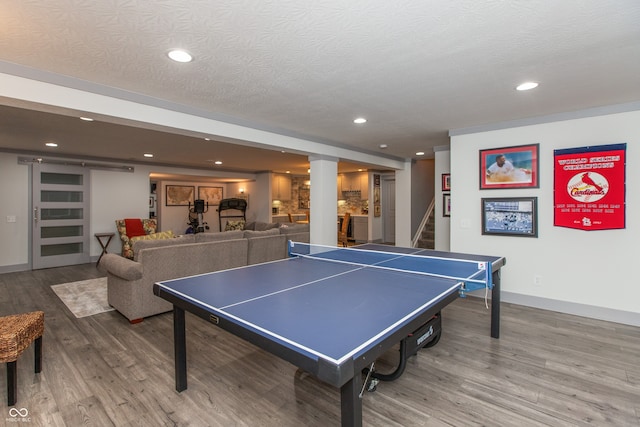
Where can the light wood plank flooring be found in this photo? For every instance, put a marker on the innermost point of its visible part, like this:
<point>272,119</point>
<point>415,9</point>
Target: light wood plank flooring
<point>547,369</point>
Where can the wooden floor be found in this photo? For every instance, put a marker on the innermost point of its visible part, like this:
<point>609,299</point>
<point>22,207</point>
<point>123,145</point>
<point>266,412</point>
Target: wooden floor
<point>546,369</point>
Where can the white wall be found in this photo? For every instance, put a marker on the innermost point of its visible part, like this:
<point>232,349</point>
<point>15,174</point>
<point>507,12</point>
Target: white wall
<point>589,273</point>
<point>116,195</point>
<point>14,180</point>
<point>443,224</point>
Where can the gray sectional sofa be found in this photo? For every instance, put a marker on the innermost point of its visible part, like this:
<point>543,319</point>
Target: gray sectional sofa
<point>130,282</point>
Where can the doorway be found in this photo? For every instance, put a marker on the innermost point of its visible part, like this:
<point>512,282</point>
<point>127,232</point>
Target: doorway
<point>60,225</point>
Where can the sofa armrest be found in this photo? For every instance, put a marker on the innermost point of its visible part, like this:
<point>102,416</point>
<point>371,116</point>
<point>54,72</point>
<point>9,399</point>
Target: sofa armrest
<point>121,267</point>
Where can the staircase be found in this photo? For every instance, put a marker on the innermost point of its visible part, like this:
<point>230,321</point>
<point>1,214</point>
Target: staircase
<point>427,236</point>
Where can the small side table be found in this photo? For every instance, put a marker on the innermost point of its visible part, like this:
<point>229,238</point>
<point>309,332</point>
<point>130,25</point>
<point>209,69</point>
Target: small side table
<point>103,244</point>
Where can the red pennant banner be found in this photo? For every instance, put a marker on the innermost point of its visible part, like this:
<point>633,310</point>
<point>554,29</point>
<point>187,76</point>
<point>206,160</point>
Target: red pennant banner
<point>589,187</point>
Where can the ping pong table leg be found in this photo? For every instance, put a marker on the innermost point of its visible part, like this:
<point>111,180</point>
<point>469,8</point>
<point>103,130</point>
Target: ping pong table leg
<point>180,348</point>
<point>351,403</point>
<point>495,305</point>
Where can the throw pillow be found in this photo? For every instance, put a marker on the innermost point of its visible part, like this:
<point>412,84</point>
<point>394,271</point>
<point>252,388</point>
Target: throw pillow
<point>234,225</point>
<point>134,227</point>
<point>154,236</point>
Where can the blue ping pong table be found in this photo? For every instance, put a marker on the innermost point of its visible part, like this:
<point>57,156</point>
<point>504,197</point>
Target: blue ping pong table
<point>330,311</point>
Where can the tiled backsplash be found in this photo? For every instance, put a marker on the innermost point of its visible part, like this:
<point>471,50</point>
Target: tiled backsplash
<point>349,201</point>
<point>352,203</point>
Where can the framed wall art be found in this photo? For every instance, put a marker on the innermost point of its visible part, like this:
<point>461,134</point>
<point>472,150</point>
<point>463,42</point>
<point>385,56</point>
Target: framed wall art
<point>590,187</point>
<point>179,195</point>
<point>211,195</point>
<point>446,204</point>
<point>446,182</point>
<point>377,211</point>
<point>510,216</point>
<point>509,167</point>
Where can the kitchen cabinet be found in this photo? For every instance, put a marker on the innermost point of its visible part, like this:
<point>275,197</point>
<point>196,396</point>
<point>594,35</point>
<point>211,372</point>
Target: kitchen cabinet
<point>360,229</point>
<point>349,182</point>
<point>281,187</point>
<point>356,181</point>
<point>364,186</point>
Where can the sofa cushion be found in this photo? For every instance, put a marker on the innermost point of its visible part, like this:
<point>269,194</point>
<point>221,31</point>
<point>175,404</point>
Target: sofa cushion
<point>234,225</point>
<point>156,243</point>
<point>266,247</point>
<point>303,237</point>
<point>216,237</point>
<point>249,234</point>
<point>294,228</point>
<point>261,226</point>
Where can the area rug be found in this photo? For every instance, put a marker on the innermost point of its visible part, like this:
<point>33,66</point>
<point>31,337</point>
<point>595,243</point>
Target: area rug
<point>84,298</point>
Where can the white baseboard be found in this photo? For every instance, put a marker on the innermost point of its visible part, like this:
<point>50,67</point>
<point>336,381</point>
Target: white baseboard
<point>590,311</point>
<point>14,268</point>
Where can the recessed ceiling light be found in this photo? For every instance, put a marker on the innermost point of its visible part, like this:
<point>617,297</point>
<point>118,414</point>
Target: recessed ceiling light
<point>148,155</point>
<point>51,144</point>
<point>360,120</point>
<point>420,153</point>
<point>86,119</point>
<point>383,146</point>
<point>287,171</point>
<point>207,139</point>
<point>527,86</point>
<point>180,55</point>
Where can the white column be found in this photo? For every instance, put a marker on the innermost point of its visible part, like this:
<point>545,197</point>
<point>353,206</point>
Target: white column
<point>324,200</point>
<point>403,205</point>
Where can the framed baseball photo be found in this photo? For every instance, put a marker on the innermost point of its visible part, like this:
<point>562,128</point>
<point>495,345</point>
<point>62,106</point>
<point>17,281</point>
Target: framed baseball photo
<point>510,216</point>
<point>509,167</point>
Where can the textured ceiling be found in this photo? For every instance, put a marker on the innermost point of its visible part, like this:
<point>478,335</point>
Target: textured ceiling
<point>415,69</point>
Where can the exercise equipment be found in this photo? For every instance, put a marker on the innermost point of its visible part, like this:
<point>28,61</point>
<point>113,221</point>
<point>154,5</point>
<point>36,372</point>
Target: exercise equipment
<point>196,218</point>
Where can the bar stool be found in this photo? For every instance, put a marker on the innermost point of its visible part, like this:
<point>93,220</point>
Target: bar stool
<point>17,332</point>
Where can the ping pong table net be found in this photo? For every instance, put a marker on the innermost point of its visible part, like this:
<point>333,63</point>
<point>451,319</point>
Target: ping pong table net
<point>473,275</point>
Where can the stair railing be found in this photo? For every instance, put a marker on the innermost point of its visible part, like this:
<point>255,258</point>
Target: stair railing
<point>423,223</point>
